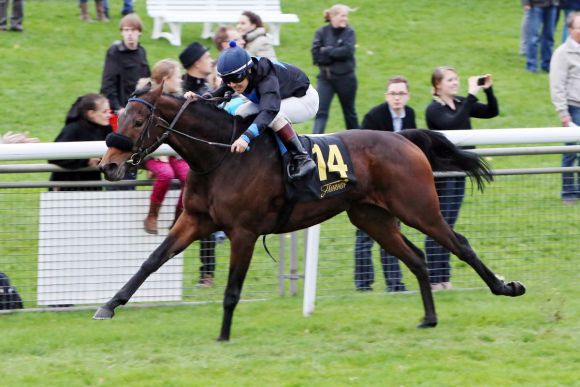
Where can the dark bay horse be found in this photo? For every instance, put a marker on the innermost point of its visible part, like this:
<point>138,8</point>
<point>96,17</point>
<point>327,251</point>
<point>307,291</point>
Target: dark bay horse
<point>243,194</point>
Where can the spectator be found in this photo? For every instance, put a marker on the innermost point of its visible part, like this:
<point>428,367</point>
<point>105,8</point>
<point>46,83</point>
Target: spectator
<point>448,111</point>
<point>333,52</point>
<point>258,42</point>
<point>127,7</point>
<point>224,34</point>
<point>393,115</point>
<point>16,138</point>
<point>568,6</point>
<point>100,8</point>
<point>524,31</point>
<point>87,120</point>
<point>16,18</point>
<point>164,169</point>
<point>125,64</point>
<point>199,66</point>
<point>565,92</point>
<point>542,14</point>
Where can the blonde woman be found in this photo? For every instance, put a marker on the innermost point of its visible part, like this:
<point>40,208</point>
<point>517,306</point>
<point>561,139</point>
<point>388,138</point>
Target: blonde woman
<point>164,169</point>
<point>333,52</point>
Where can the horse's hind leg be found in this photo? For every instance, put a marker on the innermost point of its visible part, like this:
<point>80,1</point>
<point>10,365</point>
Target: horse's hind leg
<point>180,236</point>
<point>383,227</point>
<point>440,231</point>
<point>424,215</point>
<point>495,284</point>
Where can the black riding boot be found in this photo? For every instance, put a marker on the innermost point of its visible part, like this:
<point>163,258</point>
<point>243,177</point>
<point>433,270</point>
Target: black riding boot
<point>301,164</point>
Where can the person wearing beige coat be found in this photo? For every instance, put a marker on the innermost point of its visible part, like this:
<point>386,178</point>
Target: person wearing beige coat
<point>565,93</point>
<point>258,42</point>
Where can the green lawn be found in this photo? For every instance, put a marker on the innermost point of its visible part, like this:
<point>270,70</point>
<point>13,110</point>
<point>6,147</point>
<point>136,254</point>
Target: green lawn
<point>518,227</point>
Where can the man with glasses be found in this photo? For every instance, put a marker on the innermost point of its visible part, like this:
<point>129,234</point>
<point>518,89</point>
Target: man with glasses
<point>393,115</point>
<point>279,93</point>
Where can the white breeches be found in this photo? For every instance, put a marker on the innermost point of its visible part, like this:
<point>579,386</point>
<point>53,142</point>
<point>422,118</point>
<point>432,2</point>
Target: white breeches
<point>292,110</point>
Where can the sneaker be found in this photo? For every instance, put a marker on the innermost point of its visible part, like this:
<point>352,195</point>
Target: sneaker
<point>205,282</point>
<point>437,286</point>
<point>364,289</point>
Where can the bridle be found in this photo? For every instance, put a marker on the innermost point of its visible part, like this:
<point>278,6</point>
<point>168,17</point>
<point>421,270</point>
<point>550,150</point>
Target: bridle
<point>140,152</point>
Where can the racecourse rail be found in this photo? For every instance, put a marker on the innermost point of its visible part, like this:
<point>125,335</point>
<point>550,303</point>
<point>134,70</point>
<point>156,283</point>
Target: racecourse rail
<point>340,270</point>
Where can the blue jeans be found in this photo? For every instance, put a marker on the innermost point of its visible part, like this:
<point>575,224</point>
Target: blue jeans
<point>127,7</point>
<point>364,274</point>
<point>451,191</point>
<point>544,19</point>
<point>571,180</point>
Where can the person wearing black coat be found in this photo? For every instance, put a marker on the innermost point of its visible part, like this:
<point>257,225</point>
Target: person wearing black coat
<point>393,115</point>
<point>333,52</point>
<point>87,120</point>
<point>125,63</point>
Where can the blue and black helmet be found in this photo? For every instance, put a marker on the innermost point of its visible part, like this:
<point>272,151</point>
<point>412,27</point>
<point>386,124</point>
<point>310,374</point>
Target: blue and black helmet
<point>234,63</point>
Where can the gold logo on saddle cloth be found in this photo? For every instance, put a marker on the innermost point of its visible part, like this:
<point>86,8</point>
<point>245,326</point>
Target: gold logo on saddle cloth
<point>333,187</point>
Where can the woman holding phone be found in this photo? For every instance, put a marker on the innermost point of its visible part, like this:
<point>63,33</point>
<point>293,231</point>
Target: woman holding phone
<point>448,111</point>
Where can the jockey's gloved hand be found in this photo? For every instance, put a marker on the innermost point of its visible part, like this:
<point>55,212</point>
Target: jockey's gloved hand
<point>227,96</point>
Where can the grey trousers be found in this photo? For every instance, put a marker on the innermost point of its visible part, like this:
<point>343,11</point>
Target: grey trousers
<point>17,13</point>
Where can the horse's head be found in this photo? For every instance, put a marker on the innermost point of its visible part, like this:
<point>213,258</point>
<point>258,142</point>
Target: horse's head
<point>139,133</point>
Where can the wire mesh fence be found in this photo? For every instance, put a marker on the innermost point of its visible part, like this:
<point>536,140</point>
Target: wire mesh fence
<point>78,248</point>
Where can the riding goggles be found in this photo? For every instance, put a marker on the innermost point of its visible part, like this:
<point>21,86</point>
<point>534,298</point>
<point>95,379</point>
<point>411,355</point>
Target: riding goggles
<point>235,78</point>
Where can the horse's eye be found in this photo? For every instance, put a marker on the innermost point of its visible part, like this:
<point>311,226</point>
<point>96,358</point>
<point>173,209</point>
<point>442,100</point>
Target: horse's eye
<point>138,123</point>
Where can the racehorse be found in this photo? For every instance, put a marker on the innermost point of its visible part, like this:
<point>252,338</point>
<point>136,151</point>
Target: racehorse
<point>243,194</point>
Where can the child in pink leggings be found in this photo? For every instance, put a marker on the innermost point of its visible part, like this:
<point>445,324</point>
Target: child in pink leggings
<point>164,169</point>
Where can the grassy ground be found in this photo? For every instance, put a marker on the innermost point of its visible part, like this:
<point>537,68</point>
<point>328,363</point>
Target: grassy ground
<point>354,339</point>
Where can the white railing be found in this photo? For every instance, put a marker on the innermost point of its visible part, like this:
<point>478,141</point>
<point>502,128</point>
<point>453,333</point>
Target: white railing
<point>75,150</point>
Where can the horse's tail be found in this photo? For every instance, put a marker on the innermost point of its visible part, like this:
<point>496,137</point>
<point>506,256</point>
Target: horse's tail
<point>444,156</point>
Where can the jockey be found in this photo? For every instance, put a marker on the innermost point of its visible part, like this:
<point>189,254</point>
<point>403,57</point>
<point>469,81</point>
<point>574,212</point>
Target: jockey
<point>279,93</point>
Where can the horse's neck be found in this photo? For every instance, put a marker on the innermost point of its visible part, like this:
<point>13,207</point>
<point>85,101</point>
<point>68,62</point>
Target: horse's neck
<point>205,124</point>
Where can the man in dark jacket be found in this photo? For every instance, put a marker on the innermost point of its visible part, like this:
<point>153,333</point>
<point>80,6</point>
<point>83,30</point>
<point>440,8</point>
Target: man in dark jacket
<point>198,65</point>
<point>393,115</point>
<point>125,64</point>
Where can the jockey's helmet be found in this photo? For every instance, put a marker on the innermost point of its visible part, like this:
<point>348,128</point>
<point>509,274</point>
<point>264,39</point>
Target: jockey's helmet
<point>234,63</point>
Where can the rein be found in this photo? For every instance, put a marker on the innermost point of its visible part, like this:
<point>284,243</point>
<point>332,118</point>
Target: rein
<point>138,157</point>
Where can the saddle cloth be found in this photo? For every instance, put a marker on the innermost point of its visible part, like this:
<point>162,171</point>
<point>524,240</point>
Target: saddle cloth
<point>334,175</point>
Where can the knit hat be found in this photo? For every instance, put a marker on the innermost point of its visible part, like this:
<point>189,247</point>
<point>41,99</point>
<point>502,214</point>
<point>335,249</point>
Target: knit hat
<point>233,60</point>
<point>191,54</point>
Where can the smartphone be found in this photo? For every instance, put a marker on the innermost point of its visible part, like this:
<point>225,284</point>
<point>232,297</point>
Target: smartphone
<point>481,81</point>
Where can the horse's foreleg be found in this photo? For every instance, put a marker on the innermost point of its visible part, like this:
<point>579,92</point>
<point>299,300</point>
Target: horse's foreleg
<point>242,248</point>
<point>383,227</point>
<point>177,241</point>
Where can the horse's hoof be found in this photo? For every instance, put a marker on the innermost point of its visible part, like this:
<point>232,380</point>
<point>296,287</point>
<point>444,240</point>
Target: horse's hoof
<point>104,314</point>
<point>222,339</point>
<point>517,289</point>
<point>427,324</point>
